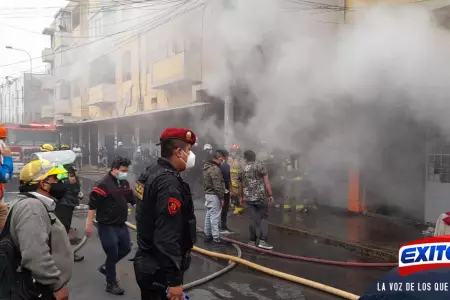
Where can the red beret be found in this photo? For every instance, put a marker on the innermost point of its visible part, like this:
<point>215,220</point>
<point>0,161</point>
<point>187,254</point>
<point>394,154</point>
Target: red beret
<point>183,134</point>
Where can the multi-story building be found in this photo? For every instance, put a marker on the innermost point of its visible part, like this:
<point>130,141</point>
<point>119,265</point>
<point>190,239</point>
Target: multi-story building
<point>21,99</point>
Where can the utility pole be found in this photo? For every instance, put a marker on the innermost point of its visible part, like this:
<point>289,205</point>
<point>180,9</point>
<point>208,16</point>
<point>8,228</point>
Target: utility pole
<point>228,121</point>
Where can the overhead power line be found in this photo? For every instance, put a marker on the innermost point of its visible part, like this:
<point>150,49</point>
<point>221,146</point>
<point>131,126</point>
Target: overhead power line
<point>130,29</point>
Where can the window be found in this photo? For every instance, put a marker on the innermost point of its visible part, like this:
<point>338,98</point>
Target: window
<point>76,17</point>
<point>126,66</point>
<point>65,90</point>
<point>438,164</point>
<point>102,70</point>
<point>76,88</point>
<point>32,137</point>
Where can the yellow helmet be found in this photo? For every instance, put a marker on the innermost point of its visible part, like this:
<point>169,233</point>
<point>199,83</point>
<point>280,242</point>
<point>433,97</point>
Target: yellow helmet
<point>38,170</point>
<point>64,147</point>
<point>47,148</point>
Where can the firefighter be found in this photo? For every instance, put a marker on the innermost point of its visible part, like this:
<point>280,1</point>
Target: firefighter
<point>235,161</point>
<point>47,148</point>
<point>6,172</point>
<point>165,219</point>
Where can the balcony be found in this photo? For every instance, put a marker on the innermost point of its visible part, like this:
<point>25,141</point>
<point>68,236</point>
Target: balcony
<point>102,94</point>
<point>63,107</point>
<point>47,111</point>
<point>48,82</point>
<point>48,56</point>
<point>61,38</point>
<point>181,67</point>
<point>61,120</point>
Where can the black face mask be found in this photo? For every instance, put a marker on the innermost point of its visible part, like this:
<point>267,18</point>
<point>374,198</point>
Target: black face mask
<point>57,190</point>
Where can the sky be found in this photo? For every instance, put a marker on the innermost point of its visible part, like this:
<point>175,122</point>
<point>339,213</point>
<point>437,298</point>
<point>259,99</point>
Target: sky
<point>21,25</point>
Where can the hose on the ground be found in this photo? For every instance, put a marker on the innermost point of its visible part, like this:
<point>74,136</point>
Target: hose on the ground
<point>312,259</point>
<point>272,272</point>
<point>80,244</point>
<point>214,275</point>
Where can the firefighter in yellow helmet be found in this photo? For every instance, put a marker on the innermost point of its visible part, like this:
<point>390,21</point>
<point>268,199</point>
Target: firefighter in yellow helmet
<point>34,229</point>
<point>64,147</point>
<point>47,148</point>
<point>235,161</point>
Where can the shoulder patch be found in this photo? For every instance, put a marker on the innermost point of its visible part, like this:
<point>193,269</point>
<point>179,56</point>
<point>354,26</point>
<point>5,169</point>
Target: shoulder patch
<point>139,190</point>
<point>173,206</point>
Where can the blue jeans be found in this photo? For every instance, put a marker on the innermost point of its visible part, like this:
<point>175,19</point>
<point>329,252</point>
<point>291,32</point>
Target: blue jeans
<point>116,243</point>
<point>212,217</point>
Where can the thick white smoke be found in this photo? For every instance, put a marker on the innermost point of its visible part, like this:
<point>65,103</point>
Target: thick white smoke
<point>295,67</point>
<point>346,95</point>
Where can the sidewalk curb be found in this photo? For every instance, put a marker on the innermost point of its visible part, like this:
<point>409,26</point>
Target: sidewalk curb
<point>383,254</point>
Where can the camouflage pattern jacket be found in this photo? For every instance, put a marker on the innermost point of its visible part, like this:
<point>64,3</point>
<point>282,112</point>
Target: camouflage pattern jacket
<point>213,182</point>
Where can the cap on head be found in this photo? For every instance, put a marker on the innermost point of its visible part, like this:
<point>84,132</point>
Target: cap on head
<point>47,148</point>
<point>182,134</point>
<point>3,132</point>
<point>38,170</point>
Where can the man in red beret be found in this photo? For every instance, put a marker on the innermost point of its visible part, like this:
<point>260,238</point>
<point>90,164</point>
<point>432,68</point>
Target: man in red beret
<point>165,219</point>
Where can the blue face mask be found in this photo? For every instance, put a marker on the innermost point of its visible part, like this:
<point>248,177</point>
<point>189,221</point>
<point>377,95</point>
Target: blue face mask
<point>122,176</point>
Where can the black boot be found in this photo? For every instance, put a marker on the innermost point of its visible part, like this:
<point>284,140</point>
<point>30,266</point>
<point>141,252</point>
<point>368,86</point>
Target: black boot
<point>114,288</point>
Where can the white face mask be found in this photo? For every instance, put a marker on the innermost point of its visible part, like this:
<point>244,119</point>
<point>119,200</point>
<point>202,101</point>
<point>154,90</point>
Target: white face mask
<point>190,163</point>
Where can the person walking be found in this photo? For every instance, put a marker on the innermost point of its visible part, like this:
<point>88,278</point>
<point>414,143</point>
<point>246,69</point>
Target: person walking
<point>225,168</point>
<point>256,192</point>
<point>165,219</point>
<point>6,172</point>
<point>109,200</point>
<point>34,231</point>
<point>78,156</point>
<point>65,207</point>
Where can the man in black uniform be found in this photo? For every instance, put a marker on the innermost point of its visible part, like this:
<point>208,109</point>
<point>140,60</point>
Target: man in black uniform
<point>108,202</point>
<point>166,224</point>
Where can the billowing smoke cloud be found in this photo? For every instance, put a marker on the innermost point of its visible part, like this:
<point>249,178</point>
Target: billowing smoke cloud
<point>344,94</point>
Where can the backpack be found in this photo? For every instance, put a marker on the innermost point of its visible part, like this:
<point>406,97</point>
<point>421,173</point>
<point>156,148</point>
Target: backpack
<point>17,283</point>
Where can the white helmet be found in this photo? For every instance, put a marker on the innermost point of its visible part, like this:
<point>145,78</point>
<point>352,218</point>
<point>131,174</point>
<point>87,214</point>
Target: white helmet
<point>207,147</point>
<point>119,144</point>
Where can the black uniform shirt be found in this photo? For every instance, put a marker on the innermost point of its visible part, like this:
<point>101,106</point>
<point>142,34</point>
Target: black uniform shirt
<point>165,218</point>
<point>110,198</point>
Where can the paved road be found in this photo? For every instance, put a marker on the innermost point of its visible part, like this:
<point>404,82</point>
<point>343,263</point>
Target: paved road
<point>241,283</point>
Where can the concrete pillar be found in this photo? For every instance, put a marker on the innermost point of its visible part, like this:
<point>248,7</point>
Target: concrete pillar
<point>80,135</point>
<point>89,144</point>
<point>101,136</point>
<point>115,134</point>
<point>228,121</point>
<point>137,133</point>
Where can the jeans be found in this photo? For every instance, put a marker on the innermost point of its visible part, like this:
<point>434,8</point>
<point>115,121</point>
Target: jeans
<point>116,243</point>
<point>212,217</point>
<point>224,214</point>
<point>259,212</point>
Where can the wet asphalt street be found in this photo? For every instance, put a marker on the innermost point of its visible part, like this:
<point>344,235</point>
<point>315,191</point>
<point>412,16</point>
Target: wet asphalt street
<point>241,282</point>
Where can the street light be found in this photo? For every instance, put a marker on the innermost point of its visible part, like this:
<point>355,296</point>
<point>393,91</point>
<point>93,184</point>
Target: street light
<point>31,60</point>
<point>24,80</point>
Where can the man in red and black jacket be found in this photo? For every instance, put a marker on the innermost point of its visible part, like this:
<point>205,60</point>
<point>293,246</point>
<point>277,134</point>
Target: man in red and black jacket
<point>109,201</point>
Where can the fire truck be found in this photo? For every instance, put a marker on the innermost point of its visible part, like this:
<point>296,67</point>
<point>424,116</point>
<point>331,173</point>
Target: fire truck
<point>26,139</point>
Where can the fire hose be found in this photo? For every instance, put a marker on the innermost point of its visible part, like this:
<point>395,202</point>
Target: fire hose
<point>272,272</point>
<point>312,259</point>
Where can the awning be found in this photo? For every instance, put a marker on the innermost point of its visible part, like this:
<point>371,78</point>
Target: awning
<point>144,113</point>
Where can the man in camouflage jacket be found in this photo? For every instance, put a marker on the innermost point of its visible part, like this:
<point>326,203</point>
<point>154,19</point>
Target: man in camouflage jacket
<point>214,188</point>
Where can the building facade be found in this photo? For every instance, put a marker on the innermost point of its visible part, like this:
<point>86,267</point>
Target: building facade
<point>120,72</point>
